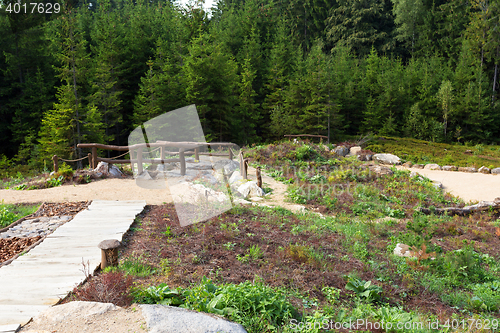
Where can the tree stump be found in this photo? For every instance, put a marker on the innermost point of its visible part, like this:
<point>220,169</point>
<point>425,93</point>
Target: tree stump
<point>109,252</point>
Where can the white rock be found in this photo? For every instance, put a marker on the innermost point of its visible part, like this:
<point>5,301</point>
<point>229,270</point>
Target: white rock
<point>432,166</point>
<point>387,159</point>
<point>484,169</point>
<point>169,319</point>
<point>59,313</point>
<point>115,172</point>
<point>402,250</point>
<point>102,167</point>
<point>495,171</point>
<point>235,177</point>
<point>354,150</point>
<point>250,189</point>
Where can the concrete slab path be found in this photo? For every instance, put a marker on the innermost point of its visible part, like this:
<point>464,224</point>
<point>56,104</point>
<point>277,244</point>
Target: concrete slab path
<point>38,279</point>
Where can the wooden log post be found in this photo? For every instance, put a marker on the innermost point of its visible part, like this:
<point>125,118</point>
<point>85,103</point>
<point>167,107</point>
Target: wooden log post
<point>259,177</point>
<point>109,252</point>
<point>183,161</point>
<point>139,161</point>
<point>230,153</point>
<point>162,155</point>
<point>94,157</point>
<point>89,156</point>
<point>56,163</point>
<point>245,168</point>
<point>240,155</point>
<point>197,153</point>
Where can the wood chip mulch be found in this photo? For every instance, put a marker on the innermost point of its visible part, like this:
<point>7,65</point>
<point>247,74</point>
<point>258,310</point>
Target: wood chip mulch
<point>9,247</point>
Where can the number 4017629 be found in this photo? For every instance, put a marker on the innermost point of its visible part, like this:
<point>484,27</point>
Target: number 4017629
<point>33,8</point>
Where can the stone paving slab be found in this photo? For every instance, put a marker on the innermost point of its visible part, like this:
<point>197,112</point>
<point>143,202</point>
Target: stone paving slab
<point>37,279</point>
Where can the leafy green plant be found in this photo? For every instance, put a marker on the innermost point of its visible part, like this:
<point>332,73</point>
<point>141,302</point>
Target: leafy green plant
<point>331,294</point>
<point>54,182</point>
<point>6,216</point>
<point>364,289</point>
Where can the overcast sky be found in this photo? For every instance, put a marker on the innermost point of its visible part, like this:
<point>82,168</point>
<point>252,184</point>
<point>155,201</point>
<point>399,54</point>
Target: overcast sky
<point>208,3</point>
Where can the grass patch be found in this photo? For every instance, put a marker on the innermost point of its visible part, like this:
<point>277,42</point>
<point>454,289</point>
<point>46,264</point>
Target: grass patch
<point>10,213</point>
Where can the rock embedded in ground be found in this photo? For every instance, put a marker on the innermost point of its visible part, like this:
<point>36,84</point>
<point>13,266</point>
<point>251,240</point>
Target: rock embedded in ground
<point>387,159</point>
<point>495,171</point>
<point>418,166</point>
<point>60,313</point>
<point>380,170</point>
<point>250,189</point>
<point>432,166</point>
<point>354,150</point>
<point>235,177</point>
<point>449,168</point>
<point>341,151</point>
<point>227,165</point>
<point>168,319</point>
<point>408,164</point>
<point>484,169</point>
<point>402,250</point>
<point>467,169</point>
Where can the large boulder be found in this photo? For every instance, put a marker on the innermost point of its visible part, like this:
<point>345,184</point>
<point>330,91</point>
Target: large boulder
<point>250,189</point>
<point>169,319</point>
<point>387,159</point>
<point>495,171</point>
<point>341,151</point>
<point>432,166</point>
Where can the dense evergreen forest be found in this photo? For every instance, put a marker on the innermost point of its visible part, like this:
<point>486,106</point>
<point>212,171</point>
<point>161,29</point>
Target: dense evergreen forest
<point>256,69</point>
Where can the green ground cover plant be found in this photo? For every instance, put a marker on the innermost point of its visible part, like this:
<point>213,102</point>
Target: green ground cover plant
<point>10,213</point>
<point>424,152</point>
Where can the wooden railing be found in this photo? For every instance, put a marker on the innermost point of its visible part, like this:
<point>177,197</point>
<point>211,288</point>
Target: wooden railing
<point>185,148</point>
<point>306,135</point>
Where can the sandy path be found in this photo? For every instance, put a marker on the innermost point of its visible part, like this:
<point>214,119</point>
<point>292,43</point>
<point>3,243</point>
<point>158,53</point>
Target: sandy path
<point>468,186</point>
<point>106,189</point>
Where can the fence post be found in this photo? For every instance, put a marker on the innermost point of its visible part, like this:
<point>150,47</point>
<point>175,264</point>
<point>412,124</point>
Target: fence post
<point>139,161</point>
<point>162,155</point>
<point>94,157</point>
<point>197,153</point>
<point>90,160</point>
<point>56,163</point>
<point>183,161</point>
<point>230,153</point>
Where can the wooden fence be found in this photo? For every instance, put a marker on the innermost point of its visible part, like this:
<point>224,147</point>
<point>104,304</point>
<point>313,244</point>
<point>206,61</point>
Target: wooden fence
<point>136,152</point>
<point>307,135</point>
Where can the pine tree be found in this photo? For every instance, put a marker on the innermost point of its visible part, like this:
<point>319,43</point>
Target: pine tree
<point>69,113</point>
<point>211,76</point>
<point>105,97</point>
